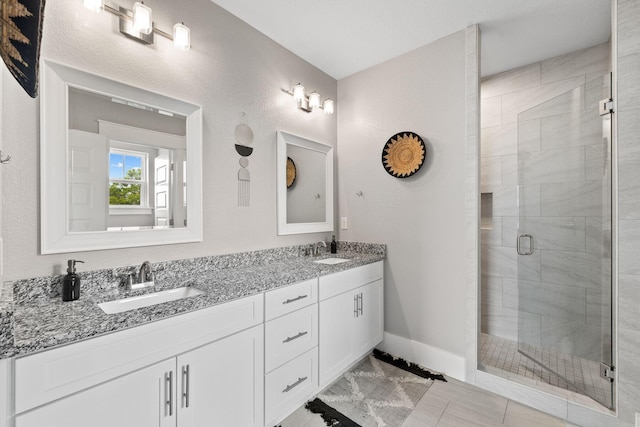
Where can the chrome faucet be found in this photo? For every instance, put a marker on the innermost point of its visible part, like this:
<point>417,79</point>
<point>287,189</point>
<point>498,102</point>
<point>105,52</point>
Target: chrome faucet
<point>316,247</point>
<point>146,273</point>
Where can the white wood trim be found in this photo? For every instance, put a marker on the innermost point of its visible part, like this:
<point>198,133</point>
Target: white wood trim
<point>284,228</point>
<point>55,235</point>
<point>425,355</point>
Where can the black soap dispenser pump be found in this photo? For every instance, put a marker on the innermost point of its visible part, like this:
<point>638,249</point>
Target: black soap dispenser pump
<point>71,282</point>
<point>334,245</point>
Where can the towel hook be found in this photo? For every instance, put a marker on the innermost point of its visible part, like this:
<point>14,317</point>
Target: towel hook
<point>4,160</point>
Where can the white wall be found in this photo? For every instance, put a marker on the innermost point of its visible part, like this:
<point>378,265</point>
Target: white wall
<point>421,218</point>
<point>230,69</point>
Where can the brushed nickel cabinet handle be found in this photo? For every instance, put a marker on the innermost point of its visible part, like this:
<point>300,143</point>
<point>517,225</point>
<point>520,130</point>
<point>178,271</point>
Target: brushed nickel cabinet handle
<point>294,385</point>
<point>168,392</point>
<point>289,301</point>
<point>185,386</point>
<point>295,337</point>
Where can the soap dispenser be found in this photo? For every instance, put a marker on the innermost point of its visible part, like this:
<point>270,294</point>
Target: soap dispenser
<point>71,282</point>
<point>334,245</point>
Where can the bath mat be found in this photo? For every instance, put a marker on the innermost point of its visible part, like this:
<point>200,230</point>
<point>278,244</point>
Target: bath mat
<point>381,391</point>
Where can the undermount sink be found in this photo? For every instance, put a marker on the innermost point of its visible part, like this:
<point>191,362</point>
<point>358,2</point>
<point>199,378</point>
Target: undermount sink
<point>331,261</point>
<point>131,303</point>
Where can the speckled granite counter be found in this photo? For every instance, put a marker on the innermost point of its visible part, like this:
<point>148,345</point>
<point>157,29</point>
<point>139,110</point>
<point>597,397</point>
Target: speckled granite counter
<point>33,316</point>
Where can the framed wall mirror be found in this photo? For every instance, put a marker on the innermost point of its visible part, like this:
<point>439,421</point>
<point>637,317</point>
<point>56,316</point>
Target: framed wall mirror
<point>304,185</point>
<point>119,166</point>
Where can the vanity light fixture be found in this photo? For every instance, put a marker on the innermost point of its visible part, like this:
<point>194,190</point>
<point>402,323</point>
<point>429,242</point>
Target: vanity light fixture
<point>137,24</point>
<point>311,102</point>
<point>93,5</point>
<point>142,18</point>
<point>181,36</point>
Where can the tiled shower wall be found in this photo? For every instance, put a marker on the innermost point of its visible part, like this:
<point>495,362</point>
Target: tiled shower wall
<point>628,117</point>
<point>537,123</point>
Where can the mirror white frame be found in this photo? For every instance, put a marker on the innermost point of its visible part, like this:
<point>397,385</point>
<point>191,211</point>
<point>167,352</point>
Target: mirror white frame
<point>284,228</point>
<point>56,79</point>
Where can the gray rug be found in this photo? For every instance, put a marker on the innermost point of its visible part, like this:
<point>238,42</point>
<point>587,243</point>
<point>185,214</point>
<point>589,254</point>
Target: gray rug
<point>376,394</point>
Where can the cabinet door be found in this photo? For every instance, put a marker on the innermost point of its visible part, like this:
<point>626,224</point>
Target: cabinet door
<point>145,398</point>
<point>222,383</point>
<point>337,315</point>
<point>368,325</point>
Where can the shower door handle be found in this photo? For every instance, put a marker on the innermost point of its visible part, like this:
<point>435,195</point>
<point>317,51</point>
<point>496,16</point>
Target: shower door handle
<point>519,249</point>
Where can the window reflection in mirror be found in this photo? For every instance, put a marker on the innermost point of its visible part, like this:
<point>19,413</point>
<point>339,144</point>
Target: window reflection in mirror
<point>127,164</point>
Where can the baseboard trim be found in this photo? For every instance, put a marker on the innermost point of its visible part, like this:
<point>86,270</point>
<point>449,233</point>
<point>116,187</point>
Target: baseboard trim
<point>425,355</point>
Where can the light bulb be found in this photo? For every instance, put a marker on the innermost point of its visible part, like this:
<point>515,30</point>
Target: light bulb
<point>328,106</point>
<point>93,5</point>
<point>142,18</point>
<point>181,37</point>
<point>298,92</point>
<point>314,100</point>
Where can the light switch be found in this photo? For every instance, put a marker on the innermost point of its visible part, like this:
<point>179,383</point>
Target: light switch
<point>637,419</point>
<point>344,223</point>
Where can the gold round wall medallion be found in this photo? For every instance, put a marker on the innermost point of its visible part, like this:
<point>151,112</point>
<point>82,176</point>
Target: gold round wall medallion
<point>291,172</point>
<point>403,154</point>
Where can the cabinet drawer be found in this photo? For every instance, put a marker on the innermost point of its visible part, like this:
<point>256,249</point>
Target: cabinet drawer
<point>290,386</point>
<point>289,336</point>
<point>337,283</point>
<point>52,374</point>
<point>290,298</point>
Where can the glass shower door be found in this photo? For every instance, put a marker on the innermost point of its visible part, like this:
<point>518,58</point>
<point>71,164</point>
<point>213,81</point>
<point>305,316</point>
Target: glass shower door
<point>563,240</point>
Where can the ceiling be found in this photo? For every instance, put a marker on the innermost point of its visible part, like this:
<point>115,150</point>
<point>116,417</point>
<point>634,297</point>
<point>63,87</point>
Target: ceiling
<point>342,37</point>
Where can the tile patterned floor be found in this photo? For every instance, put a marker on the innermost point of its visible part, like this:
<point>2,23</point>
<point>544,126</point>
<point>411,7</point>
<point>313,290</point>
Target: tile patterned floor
<point>455,404</point>
<point>583,375</point>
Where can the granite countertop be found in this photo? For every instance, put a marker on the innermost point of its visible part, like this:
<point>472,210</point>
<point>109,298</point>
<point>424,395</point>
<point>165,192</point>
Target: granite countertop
<point>29,324</point>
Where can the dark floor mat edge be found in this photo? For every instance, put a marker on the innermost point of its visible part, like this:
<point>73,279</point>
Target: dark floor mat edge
<point>329,415</point>
<point>407,366</point>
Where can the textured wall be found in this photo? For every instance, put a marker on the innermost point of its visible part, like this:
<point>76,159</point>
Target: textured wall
<point>541,130</point>
<point>420,218</point>
<point>231,68</point>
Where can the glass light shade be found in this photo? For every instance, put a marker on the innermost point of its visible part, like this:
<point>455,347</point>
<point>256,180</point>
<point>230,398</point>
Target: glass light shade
<point>314,100</point>
<point>298,92</point>
<point>181,37</point>
<point>142,18</point>
<point>328,106</point>
<point>93,5</point>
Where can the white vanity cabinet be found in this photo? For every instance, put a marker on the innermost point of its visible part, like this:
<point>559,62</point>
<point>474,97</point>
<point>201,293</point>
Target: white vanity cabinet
<point>245,363</point>
<point>191,370</point>
<point>134,400</point>
<point>222,382</point>
<point>291,348</point>
<point>350,318</point>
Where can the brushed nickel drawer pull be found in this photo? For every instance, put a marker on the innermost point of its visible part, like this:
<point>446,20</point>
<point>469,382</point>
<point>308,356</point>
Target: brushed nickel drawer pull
<point>289,339</point>
<point>289,301</point>
<point>294,385</point>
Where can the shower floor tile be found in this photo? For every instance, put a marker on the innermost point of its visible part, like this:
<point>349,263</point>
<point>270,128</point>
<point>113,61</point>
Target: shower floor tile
<point>575,374</point>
